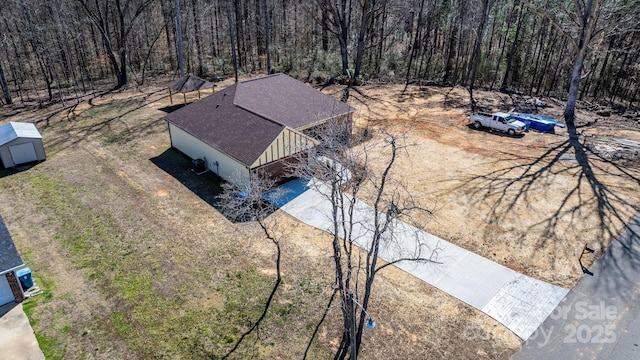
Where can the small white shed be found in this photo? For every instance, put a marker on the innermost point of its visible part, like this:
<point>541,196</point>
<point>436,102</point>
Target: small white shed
<point>20,143</point>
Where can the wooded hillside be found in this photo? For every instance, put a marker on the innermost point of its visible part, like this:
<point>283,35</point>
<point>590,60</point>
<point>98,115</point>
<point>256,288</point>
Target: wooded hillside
<point>528,46</point>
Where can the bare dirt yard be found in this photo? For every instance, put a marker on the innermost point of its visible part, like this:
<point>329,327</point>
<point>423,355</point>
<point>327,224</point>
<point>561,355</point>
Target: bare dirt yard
<point>138,263</point>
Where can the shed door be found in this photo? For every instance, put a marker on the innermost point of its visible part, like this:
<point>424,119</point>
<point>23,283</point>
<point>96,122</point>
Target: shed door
<point>23,153</point>
<point>5,291</point>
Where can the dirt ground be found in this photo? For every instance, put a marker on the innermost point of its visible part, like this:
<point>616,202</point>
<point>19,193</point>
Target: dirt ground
<point>529,203</point>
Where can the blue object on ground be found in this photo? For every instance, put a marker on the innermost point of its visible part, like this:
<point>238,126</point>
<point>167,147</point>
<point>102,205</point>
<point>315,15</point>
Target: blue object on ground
<point>537,122</point>
<point>24,275</point>
<point>286,192</point>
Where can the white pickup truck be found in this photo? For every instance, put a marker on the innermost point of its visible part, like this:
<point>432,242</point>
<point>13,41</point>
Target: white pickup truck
<point>499,121</point>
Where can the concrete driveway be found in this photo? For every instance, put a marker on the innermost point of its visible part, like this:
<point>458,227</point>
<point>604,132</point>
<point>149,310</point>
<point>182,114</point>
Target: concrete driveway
<point>519,302</point>
<point>17,340</point>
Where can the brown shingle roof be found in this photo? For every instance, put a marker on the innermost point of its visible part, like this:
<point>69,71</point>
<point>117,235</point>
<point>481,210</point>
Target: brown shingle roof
<point>287,101</point>
<point>189,83</point>
<point>228,128</point>
<point>9,257</point>
<point>245,118</point>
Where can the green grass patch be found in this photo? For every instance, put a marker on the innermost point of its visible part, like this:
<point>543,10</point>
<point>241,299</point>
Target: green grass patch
<point>149,288</point>
<point>107,112</point>
<point>121,323</point>
<point>50,345</point>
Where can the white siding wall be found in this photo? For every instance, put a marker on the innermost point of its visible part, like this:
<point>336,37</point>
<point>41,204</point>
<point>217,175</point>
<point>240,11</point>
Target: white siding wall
<point>5,153</point>
<point>223,165</point>
<point>6,295</point>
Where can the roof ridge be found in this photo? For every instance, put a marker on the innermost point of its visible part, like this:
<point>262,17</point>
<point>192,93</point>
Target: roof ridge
<point>262,78</point>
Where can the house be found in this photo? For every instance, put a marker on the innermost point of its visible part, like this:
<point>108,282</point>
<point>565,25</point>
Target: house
<point>20,143</point>
<point>10,262</point>
<point>255,125</point>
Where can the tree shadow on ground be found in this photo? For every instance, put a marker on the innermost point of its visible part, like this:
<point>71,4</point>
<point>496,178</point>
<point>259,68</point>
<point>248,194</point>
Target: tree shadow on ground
<point>171,108</point>
<point>114,129</point>
<point>207,186</point>
<point>597,185</point>
<point>4,172</point>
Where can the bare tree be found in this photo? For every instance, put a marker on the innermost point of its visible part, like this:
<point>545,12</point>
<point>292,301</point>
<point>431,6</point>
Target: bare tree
<point>61,45</point>
<point>414,45</point>
<point>233,40</point>
<point>179,37</point>
<point>102,16</point>
<point>588,13</point>
<point>5,87</point>
<point>339,23</point>
<point>475,58</point>
<point>245,201</point>
<point>341,173</point>
<point>267,35</point>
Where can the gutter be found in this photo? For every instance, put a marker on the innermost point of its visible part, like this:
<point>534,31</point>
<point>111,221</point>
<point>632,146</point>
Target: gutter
<point>12,269</point>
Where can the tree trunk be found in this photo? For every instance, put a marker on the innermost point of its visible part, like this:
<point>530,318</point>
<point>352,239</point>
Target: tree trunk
<point>603,70</point>
<point>196,35</point>
<point>513,48</point>
<point>454,33</point>
<point>362,37</point>
<point>169,29</point>
<point>589,16</point>
<point>540,48</point>
<point>5,87</point>
<point>556,69</point>
<point>339,16</point>
<point>414,45</point>
<point>233,40</point>
<point>475,57</point>
<point>616,82</point>
<point>239,35</point>
<point>179,38</point>
<point>325,32</point>
<point>267,35</point>
<point>551,44</point>
<point>383,23</point>
<point>122,79</point>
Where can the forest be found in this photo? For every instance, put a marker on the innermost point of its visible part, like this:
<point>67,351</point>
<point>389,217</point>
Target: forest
<point>533,47</point>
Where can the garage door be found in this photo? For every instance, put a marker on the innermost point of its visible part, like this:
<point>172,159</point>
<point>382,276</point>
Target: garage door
<point>23,153</point>
<point>5,291</point>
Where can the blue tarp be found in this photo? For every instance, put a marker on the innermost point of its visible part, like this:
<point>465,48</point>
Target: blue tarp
<point>286,192</point>
<point>537,122</point>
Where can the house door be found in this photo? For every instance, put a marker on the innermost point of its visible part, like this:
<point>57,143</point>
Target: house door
<point>23,153</point>
<point>6,295</point>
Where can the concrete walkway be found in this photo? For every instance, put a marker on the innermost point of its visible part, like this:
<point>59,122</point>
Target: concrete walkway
<point>519,302</point>
<point>600,317</point>
<point>17,340</point>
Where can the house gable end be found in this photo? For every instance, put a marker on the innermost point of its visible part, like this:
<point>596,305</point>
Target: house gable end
<point>288,143</point>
